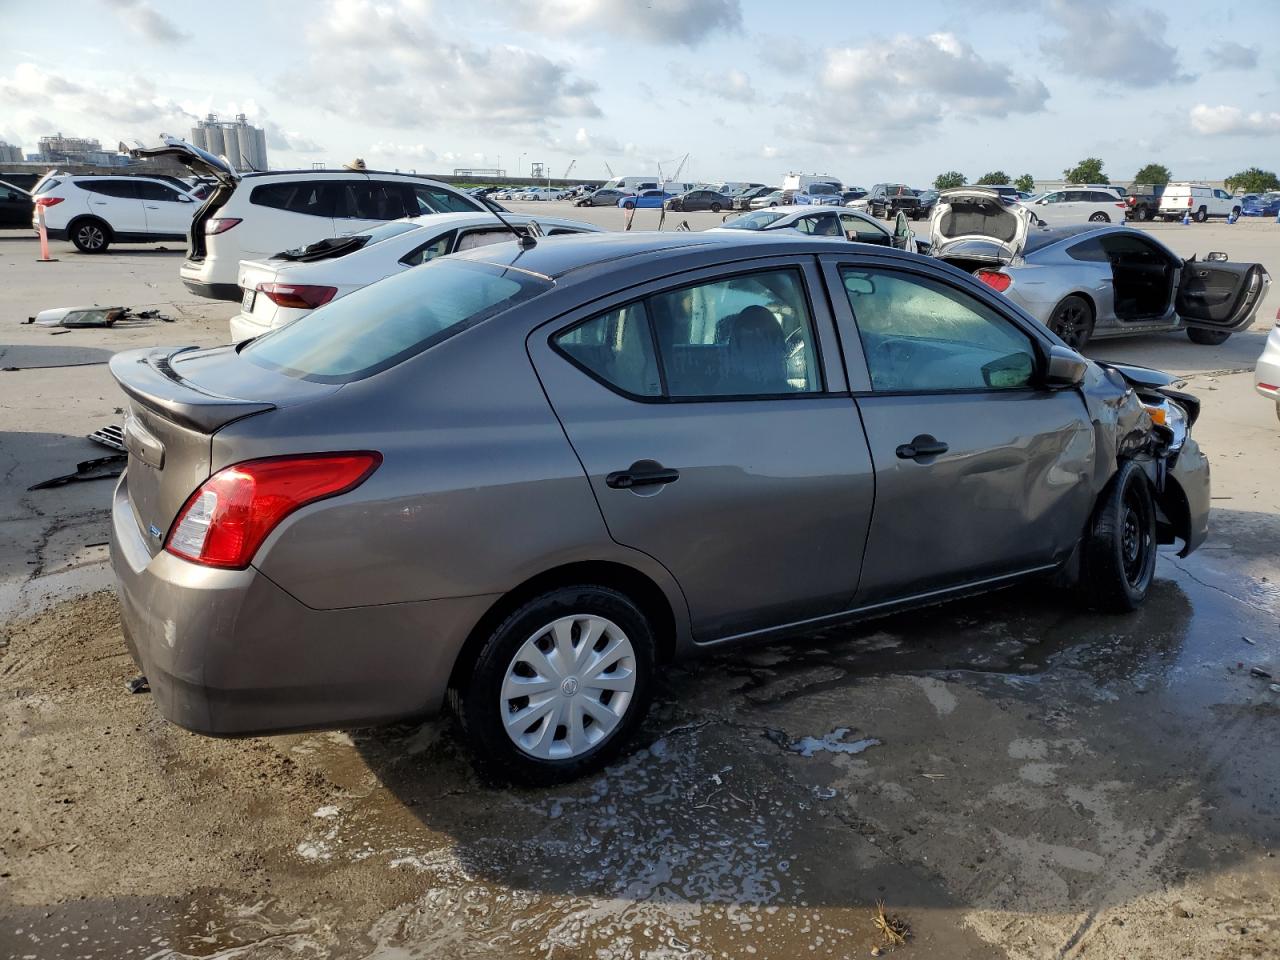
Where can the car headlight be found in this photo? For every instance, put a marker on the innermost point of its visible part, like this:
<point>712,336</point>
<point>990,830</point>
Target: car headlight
<point>1171,417</point>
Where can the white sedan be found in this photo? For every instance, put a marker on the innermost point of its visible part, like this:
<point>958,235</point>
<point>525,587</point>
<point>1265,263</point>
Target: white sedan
<point>290,284</point>
<point>541,193</point>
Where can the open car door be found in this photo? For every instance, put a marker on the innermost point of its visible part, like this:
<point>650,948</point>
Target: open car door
<point>904,237</point>
<point>963,215</point>
<point>1220,294</point>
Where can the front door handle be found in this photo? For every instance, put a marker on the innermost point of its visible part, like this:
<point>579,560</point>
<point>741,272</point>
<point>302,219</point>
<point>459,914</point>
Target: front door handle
<point>642,473</point>
<point>921,448</point>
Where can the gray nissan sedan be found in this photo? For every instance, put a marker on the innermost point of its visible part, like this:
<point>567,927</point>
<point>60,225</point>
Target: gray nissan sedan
<point>522,480</point>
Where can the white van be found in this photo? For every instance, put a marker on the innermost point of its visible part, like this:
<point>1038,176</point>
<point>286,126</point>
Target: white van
<point>801,182</point>
<point>1199,200</point>
<point>631,184</point>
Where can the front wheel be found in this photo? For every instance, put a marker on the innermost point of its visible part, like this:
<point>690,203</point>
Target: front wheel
<point>1099,217</point>
<point>628,205</point>
<point>559,687</point>
<point>1118,560</point>
<point>1072,321</point>
<point>1207,338</point>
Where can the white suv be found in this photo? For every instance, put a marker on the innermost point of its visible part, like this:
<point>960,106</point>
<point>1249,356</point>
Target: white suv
<point>1199,200</point>
<point>94,212</point>
<point>253,216</point>
<point>1079,203</point>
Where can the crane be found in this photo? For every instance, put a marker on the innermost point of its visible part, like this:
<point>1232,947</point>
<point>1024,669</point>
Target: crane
<point>572,164</point>
<point>610,169</point>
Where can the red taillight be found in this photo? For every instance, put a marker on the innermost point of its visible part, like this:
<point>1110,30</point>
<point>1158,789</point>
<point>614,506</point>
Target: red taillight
<point>48,201</point>
<point>224,522</point>
<point>995,279</point>
<point>1120,205</point>
<point>217,225</point>
<point>1188,201</point>
<point>298,295</point>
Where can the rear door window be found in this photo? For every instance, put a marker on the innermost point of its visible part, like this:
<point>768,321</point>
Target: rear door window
<point>374,200</point>
<point>313,198</point>
<point>617,349</point>
<point>435,247</point>
<point>386,323</point>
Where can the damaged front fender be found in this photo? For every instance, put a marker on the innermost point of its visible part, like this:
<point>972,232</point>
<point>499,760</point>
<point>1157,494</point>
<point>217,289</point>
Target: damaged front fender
<point>1124,431</point>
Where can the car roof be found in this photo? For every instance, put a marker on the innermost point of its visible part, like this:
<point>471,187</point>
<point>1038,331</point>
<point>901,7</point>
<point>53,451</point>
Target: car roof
<point>566,255</point>
<point>1046,237</point>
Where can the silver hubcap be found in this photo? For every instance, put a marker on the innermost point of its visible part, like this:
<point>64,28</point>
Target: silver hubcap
<point>568,687</point>
<point>91,237</point>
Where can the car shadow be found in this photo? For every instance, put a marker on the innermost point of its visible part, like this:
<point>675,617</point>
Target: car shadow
<point>905,758</point>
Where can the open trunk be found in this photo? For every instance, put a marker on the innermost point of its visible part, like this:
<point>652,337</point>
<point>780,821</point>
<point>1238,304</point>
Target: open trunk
<point>200,162</point>
<point>976,225</point>
<point>178,399</point>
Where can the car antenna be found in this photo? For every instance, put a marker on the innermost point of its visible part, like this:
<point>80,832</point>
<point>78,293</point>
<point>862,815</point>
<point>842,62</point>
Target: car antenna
<point>526,240</point>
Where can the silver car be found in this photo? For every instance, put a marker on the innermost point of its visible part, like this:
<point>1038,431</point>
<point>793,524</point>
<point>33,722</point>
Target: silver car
<point>1086,281</point>
<point>826,221</point>
<point>524,478</point>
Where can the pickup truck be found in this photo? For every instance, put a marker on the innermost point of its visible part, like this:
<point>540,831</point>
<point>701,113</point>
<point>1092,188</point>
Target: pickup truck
<point>1142,201</point>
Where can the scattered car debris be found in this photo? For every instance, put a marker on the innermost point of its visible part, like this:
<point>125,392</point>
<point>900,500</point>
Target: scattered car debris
<point>1259,672</point>
<point>95,316</point>
<point>894,929</point>
<point>1274,688</point>
<point>110,436</point>
<point>101,468</point>
<point>138,684</point>
<point>1252,643</point>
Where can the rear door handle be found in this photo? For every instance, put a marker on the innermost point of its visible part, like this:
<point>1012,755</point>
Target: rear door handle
<point>642,473</point>
<point>921,448</point>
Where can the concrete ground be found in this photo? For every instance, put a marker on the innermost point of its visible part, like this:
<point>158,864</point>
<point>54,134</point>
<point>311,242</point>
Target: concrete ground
<point>1012,776</point>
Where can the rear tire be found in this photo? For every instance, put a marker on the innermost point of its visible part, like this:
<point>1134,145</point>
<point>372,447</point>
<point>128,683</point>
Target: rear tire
<point>628,205</point>
<point>1099,218</point>
<point>1200,216</point>
<point>716,208</point>
<point>90,235</point>
<point>1072,320</point>
<point>1207,338</point>
<point>1144,213</point>
<point>486,706</point>
<point>1118,559</point>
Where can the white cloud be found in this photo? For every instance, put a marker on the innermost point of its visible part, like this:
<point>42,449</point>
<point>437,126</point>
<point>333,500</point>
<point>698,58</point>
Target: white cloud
<point>1229,55</point>
<point>1224,120</point>
<point>666,22</point>
<point>1108,41</point>
<point>730,84</point>
<point>142,18</point>
<point>384,63</point>
<point>769,153</point>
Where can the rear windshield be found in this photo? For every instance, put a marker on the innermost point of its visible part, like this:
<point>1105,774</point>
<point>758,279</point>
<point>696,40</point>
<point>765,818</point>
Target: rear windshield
<point>45,185</point>
<point>754,221</point>
<point>386,323</point>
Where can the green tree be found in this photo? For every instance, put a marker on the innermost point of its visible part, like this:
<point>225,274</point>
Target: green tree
<point>996,176</point>
<point>1026,183</point>
<point>1153,173</point>
<point>945,181</point>
<point>1088,170</point>
<point>1253,180</point>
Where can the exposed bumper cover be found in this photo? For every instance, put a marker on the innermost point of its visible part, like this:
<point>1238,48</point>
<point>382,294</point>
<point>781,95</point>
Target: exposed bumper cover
<point>213,291</point>
<point>1190,471</point>
<point>230,653</point>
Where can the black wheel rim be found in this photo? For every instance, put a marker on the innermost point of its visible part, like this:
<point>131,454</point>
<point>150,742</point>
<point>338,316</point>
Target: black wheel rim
<point>1071,323</point>
<point>1136,543</point>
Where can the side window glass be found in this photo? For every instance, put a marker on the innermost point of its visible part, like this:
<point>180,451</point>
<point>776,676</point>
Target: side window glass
<point>745,336</point>
<point>805,225</point>
<point>429,251</point>
<point>1088,250</point>
<point>310,198</point>
<point>826,226</point>
<point>920,335</point>
<point>482,238</point>
<point>855,228</point>
<point>375,200</point>
<point>435,200</point>
<point>616,347</point>
<point>156,191</point>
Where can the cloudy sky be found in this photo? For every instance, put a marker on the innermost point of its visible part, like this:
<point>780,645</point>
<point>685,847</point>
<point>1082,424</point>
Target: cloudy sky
<point>750,89</point>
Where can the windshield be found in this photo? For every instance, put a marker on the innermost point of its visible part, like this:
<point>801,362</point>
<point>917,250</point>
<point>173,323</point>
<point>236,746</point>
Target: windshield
<point>753,221</point>
<point>385,323</point>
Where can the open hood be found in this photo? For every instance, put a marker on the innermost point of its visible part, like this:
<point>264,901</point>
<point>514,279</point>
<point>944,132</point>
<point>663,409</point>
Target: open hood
<point>190,156</point>
<point>978,216</point>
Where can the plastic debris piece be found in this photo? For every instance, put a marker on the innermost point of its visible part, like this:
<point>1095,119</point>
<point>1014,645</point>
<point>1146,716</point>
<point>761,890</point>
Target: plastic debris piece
<point>138,684</point>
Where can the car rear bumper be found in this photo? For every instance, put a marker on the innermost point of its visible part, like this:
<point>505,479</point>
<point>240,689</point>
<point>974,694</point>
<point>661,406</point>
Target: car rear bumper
<point>231,653</point>
<point>213,291</point>
<point>1266,375</point>
<point>245,327</point>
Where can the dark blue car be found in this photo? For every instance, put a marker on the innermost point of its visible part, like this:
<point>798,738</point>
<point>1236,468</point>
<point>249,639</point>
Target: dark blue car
<point>1267,205</point>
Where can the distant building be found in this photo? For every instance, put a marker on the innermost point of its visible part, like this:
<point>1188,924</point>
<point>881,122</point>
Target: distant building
<point>60,149</point>
<point>9,153</point>
<point>244,145</point>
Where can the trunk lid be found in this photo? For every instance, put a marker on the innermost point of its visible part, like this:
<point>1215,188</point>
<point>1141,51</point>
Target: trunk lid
<point>178,398</point>
<point>974,216</point>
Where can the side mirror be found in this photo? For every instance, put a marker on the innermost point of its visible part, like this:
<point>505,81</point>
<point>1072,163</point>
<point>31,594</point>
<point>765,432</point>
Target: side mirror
<point>1065,367</point>
<point>1217,255</point>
